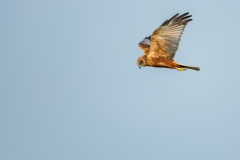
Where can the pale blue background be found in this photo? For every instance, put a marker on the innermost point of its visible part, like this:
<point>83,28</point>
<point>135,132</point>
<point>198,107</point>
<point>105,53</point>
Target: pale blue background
<point>70,87</point>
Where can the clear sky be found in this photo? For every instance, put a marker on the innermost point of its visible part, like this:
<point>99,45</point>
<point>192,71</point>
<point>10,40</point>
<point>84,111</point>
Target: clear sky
<point>70,87</point>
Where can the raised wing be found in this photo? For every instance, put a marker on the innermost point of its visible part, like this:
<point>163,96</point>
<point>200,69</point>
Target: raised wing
<point>165,39</point>
<point>145,45</point>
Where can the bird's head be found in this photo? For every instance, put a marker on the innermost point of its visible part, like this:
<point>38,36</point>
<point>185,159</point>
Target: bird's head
<point>141,62</point>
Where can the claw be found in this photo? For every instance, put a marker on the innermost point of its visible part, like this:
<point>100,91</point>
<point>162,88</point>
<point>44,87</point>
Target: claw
<point>180,69</point>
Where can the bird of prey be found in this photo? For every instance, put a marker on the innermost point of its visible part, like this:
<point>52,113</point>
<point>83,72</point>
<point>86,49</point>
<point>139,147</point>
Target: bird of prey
<point>159,48</point>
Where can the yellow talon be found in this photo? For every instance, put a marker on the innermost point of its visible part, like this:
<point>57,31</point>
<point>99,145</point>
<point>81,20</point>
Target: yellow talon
<point>180,69</point>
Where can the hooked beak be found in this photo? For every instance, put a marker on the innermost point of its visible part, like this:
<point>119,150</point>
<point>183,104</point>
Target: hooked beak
<point>139,66</point>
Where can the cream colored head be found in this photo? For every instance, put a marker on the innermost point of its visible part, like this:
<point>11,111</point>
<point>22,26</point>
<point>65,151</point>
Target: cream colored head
<point>142,61</point>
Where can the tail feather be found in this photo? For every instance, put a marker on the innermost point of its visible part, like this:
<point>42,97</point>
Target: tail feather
<point>189,67</point>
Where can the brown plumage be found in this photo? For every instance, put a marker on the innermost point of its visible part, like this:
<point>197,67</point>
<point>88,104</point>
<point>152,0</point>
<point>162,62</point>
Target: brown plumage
<point>159,49</point>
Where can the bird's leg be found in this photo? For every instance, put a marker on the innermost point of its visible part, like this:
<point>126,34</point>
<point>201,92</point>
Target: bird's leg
<point>180,69</point>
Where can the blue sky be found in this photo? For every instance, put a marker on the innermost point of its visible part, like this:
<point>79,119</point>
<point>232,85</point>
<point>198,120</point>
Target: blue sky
<point>70,87</point>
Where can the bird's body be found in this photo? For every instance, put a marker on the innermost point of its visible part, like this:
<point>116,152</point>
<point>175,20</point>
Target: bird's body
<point>159,49</point>
<point>159,61</point>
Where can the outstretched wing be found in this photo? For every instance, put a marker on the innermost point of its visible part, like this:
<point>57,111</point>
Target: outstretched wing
<point>145,45</point>
<point>165,39</point>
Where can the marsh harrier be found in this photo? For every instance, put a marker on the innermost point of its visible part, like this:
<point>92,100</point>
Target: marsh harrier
<point>159,49</point>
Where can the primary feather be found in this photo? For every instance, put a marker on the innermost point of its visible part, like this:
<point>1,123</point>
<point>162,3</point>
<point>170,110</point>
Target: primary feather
<point>165,39</point>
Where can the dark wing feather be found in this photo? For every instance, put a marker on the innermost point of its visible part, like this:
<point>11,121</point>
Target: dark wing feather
<point>165,39</point>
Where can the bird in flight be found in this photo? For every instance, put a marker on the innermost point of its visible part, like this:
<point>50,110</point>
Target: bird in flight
<point>159,48</point>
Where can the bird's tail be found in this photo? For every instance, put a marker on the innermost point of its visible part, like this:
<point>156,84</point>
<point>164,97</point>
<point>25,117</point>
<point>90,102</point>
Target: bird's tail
<point>189,67</point>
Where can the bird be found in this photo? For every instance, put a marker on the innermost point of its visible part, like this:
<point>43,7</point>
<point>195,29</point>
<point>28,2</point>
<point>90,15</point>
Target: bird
<point>160,48</point>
